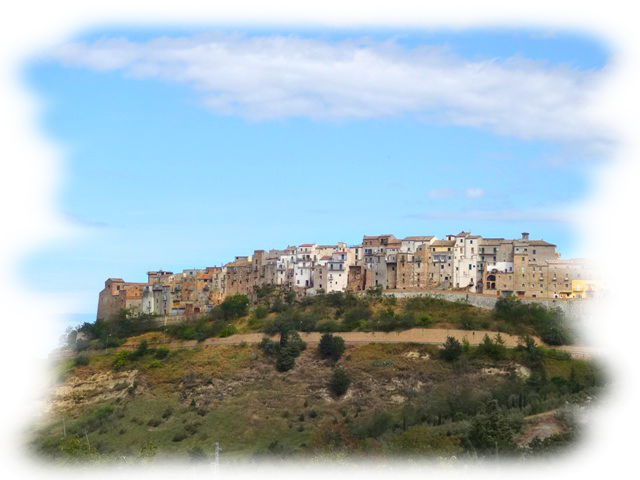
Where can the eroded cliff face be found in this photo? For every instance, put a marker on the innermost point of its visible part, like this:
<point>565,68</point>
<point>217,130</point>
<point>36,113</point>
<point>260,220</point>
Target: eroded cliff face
<point>95,388</point>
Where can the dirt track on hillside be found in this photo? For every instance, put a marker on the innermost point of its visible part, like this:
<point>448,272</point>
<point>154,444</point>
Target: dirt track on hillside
<point>434,336</point>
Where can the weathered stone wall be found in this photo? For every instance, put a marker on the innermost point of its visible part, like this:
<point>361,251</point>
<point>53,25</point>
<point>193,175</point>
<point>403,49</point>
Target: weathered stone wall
<point>572,308</point>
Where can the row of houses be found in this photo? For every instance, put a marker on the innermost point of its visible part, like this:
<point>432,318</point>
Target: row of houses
<point>464,262</point>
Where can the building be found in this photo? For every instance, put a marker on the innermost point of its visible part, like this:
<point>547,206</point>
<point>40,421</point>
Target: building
<point>118,295</point>
<point>440,268</point>
<point>466,258</point>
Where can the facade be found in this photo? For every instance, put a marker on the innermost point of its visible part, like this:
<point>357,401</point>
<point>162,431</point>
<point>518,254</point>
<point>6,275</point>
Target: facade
<point>493,266</point>
<point>440,268</point>
<point>466,258</point>
<point>118,295</point>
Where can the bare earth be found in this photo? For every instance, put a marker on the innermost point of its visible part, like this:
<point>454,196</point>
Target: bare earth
<point>434,336</point>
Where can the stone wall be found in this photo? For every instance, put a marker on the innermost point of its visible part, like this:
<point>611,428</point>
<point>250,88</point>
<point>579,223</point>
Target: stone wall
<point>572,308</point>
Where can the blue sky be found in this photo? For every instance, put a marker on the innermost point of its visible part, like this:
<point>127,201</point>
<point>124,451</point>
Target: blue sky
<point>185,163</point>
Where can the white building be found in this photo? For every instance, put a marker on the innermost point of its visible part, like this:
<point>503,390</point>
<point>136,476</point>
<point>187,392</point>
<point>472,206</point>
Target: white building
<point>466,259</point>
<point>305,259</point>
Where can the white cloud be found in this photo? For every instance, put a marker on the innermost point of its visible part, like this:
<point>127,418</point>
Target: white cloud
<point>474,192</point>
<point>471,14</point>
<point>10,217</point>
<point>552,215</point>
<point>440,193</point>
<point>283,76</point>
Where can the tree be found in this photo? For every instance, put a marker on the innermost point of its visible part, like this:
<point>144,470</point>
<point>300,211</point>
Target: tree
<point>340,381</point>
<point>82,462</point>
<point>491,430</point>
<point>197,456</point>
<point>331,347</point>
<point>235,306</point>
<point>451,350</point>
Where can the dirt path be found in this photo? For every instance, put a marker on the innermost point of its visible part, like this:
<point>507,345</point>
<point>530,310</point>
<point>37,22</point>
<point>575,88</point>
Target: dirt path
<point>434,336</point>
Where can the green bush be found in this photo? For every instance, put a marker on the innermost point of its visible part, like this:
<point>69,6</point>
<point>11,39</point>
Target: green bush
<point>268,347</point>
<point>81,360</point>
<point>161,353</point>
<point>355,316</point>
<point>331,347</point>
<point>121,360</point>
<point>494,349</point>
<point>260,312</point>
<point>451,350</point>
<point>285,361</point>
<point>340,381</point>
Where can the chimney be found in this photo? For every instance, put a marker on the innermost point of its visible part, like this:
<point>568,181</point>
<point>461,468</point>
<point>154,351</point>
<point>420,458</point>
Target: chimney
<point>525,235</point>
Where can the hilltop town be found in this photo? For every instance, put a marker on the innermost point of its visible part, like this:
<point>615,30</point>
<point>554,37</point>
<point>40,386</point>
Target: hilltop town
<point>464,262</point>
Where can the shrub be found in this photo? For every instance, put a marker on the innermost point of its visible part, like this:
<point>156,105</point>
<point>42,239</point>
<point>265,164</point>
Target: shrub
<point>494,349</point>
<point>340,381</point>
<point>178,437</point>
<point>260,312</point>
<point>331,347</point>
<point>235,306</point>
<point>451,350</point>
<point>155,363</point>
<point>285,361</point>
<point>141,350</point>
<point>167,412</point>
<point>161,353</point>
<point>81,359</point>
<point>121,360</point>
<point>268,347</point>
<point>154,422</point>
<point>227,331</point>
<point>197,454</point>
<point>355,316</point>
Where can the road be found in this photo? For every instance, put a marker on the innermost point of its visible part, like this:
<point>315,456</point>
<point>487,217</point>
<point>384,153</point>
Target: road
<point>433,336</point>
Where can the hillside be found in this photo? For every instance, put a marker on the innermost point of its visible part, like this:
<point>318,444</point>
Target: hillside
<point>403,399</point>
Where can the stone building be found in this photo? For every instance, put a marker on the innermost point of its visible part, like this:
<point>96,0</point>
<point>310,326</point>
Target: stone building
<point>118,295</point>
<point>440,267</point>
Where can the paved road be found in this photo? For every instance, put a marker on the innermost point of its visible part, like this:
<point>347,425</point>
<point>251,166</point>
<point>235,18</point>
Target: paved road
<point>434,336</point>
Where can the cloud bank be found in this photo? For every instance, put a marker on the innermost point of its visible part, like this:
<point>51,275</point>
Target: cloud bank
<point>283,76</point>
<point>472,14</point>
<point>10,217</point>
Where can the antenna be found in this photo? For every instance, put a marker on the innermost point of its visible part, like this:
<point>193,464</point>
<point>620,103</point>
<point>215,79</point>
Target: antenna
<point>215,465</point>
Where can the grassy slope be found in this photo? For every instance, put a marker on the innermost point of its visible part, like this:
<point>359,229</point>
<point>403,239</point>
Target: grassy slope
<point>233,395</point>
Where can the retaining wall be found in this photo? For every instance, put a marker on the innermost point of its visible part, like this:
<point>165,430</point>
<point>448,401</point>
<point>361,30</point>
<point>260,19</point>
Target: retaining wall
<point>572,308</point>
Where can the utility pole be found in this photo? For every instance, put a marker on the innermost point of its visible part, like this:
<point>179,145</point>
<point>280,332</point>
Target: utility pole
<point>216,459</point>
